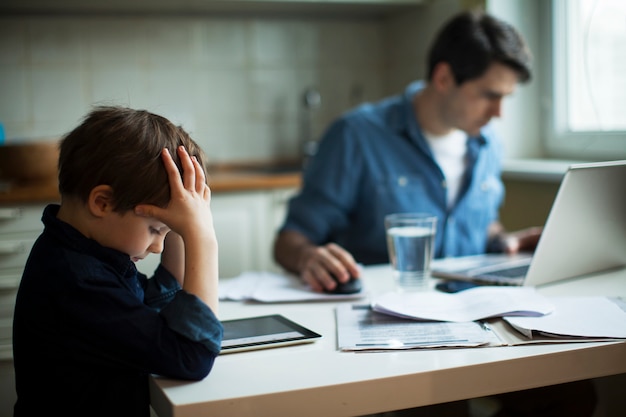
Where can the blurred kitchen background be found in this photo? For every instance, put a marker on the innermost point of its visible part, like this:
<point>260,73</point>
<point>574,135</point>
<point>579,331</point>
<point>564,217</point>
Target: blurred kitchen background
<point>251,80</point>
<point>233,73</point>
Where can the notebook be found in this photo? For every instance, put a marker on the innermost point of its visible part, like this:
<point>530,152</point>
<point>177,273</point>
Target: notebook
<point>585,233</point>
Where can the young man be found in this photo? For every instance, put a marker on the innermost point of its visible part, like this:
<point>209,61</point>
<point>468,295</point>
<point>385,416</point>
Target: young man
<point>88,327</point>
<point>429,149</point>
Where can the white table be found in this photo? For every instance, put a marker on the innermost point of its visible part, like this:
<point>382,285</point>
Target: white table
<point>318,380</point>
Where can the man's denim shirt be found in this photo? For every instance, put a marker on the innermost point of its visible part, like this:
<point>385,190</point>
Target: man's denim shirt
<point>374,161</point>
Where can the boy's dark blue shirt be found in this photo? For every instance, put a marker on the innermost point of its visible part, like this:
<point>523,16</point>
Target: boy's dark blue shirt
<point>89,329</point>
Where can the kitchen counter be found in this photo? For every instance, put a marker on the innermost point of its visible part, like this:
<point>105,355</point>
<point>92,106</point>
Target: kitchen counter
<point>246,181</point>
<point>222,179</point>
<point>248,176</point>
<point>28,193</point>
<point>232,177</point>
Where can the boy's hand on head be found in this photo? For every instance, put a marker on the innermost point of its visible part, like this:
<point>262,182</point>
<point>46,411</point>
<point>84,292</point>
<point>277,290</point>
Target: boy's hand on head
<point>188,212</point>
<point>189,215</point>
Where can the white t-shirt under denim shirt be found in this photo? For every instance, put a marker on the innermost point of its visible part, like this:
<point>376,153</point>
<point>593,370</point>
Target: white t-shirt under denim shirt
<point>450,153</point>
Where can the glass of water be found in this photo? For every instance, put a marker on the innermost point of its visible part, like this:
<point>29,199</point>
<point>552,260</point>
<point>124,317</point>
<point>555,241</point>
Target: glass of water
<point>411,242</point>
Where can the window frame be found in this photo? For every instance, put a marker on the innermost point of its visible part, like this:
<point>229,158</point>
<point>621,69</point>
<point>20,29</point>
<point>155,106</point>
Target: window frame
<point>559,142</point>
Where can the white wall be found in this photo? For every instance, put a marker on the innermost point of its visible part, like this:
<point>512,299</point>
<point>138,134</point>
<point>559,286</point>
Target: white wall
<point>408,37</point>
<point>234,82</point>
<point>520,125</point>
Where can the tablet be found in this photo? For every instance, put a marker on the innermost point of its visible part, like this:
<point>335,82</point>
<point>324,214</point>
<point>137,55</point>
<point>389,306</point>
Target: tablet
<point>263,332</point>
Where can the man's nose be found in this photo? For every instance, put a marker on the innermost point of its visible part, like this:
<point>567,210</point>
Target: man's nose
<point>496,108</point>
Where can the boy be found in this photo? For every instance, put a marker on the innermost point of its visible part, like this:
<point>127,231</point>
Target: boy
<point>88,327</point>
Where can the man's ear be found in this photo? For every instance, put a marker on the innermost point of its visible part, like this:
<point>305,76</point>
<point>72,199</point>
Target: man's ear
<point>442,77</point>
<point>100,200</point>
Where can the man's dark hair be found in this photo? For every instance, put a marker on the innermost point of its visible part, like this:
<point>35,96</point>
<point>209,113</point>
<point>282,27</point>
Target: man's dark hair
<point>471,41</point>
<point>121,147</point>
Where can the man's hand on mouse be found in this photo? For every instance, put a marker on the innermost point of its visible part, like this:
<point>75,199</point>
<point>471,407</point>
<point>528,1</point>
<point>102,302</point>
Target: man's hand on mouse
<point>319,264</point>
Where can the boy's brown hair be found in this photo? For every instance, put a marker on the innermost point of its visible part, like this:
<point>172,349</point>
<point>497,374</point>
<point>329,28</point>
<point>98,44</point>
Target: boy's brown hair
<point>121,147</point>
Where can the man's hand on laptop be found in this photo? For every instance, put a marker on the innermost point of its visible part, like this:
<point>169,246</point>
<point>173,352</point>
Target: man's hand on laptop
<point>501,241</point>
<point>524,240</point>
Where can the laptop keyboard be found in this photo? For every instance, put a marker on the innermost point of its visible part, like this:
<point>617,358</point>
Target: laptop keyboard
<point>514,272</point>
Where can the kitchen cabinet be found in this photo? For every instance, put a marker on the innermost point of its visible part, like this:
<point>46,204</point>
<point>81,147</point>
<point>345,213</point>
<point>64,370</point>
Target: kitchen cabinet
<point>240,220</point>
<point>245,224</point>
<point>20,225</point>
<point>19,228</point>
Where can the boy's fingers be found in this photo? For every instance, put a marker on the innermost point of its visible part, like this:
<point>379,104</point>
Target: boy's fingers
<point>145,210</point>
<point>200,176</point>
<point>170,168</point>
<point>189,175</point>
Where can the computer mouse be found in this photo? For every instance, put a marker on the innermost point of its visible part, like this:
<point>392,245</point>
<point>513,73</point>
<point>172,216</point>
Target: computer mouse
<point>352,286</point>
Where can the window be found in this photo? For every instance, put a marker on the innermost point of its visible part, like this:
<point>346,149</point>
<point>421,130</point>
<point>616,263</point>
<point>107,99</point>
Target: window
<point>587,111</point>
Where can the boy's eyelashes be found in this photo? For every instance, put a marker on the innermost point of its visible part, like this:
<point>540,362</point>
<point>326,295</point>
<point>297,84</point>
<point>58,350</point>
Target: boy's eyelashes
<point>159,232</point>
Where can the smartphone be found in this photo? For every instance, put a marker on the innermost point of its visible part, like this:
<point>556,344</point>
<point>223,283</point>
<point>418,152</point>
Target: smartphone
<point>455,286</point>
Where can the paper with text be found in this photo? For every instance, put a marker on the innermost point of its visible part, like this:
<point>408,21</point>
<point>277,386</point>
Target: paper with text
<point>359,328</point>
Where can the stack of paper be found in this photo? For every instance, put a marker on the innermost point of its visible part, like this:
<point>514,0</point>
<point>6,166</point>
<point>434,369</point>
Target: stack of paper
<point>469,305</point>
<point>361,329</point>
<point>269,287</point>
<point>589,317</point>
<point>574,319</point>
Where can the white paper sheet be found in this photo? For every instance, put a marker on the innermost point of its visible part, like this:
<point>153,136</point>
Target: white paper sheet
<point>469,305</point>
<point>270,287</point>
<point>576,316</point>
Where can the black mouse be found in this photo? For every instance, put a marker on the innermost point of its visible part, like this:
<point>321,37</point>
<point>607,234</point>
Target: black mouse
<point>353,285</point>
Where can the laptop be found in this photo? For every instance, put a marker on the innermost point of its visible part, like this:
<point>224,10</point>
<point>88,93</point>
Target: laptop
<point>585,233</point>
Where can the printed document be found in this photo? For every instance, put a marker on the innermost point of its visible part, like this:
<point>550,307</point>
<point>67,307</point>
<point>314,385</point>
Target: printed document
<point>359,328</point>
